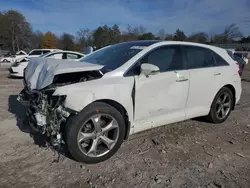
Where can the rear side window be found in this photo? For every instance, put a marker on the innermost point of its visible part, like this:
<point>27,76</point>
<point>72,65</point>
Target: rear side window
<point>199,57</point>
<point>219,61</point>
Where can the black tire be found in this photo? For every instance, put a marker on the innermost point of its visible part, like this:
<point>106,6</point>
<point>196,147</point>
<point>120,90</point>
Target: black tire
<point>212,116</point>
<point>74,124</point>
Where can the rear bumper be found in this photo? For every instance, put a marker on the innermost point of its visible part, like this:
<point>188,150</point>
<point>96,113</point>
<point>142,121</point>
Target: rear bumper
<point>238,92</point>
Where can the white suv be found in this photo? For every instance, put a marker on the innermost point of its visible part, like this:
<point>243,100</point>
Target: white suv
<point>93,105</point>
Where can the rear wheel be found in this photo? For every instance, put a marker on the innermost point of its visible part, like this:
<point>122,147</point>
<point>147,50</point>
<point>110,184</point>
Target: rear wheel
<point>95,134</point>
<point>221,106</point>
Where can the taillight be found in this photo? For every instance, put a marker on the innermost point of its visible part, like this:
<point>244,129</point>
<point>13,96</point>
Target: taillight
<point>239,71</point>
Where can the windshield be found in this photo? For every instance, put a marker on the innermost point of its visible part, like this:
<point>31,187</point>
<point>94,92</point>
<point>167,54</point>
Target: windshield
<point>116,55</point>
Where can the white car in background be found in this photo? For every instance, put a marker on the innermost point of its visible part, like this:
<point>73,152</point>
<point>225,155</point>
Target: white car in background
<point>91,106</point>
<point>35,53</point>
<point>12,58</point>
<point>18,67</point>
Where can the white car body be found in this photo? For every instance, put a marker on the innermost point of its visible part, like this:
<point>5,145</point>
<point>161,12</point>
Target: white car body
<point>148,100</point>
<point>18,67</point>
<point>202,83</point>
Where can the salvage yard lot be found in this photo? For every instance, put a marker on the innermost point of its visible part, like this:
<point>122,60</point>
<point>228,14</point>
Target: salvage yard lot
<point>187,154</point>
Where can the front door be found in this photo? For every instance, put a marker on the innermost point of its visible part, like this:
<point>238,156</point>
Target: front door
<point>161,98</point>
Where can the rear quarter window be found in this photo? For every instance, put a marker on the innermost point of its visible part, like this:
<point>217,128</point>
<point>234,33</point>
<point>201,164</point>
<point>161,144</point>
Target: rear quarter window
<point>219,61</point>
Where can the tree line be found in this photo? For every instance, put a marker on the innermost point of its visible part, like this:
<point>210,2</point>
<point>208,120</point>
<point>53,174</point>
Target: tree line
<point>16,34</point>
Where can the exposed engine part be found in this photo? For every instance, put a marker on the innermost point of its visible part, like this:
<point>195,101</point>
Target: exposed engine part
<point>46,114</point>
<point>70,78</point>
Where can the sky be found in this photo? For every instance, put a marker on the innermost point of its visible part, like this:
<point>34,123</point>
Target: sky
<point>191,16</point>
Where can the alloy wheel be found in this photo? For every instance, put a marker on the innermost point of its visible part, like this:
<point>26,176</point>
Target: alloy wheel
<point>223,105</point>
<point>98,135</point>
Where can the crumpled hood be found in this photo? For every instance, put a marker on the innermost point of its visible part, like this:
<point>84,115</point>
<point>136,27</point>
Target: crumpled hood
<point>40,72</point>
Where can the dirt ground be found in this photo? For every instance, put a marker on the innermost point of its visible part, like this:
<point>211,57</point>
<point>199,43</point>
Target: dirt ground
<point>188,154</point>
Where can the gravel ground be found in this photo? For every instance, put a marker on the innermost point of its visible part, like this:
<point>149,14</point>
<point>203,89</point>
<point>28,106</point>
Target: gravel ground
<point>187,154</point>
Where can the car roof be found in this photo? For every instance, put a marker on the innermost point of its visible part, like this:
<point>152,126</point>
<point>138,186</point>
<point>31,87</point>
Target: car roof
<point>149,43</point>
<point>56,51</point>
<point>45,49</point>
<point>72,52</point>
<point>141,42</point>
<point>61,51</point>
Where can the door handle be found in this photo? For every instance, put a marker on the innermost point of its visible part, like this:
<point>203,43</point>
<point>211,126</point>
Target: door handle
<point>181,79</point>
<point>217,74</point>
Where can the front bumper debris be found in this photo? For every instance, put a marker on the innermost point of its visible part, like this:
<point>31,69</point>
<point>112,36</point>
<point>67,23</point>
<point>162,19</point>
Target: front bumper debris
<point>45,113</point>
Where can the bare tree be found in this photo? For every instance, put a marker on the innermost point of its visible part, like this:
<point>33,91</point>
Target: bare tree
<point>17,29</point>
<point>36,39</point>
<point>231,33</point>
<point>85,37</point>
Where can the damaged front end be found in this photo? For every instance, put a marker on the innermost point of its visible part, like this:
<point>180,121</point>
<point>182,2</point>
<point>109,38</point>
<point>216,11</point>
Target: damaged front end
<point>46,112</point>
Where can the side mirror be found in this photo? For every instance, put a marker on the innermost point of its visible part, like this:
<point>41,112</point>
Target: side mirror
<point>149,69</point>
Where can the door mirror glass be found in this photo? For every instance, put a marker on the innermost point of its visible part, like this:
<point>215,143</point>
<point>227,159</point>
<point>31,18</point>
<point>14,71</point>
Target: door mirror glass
<point>149,69</point>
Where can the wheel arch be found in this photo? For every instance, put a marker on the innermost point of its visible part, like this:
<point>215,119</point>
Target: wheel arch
<point>122,110</point>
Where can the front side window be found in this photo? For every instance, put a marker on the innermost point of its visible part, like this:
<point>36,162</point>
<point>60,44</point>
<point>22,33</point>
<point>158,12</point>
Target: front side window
<point>35,52</point>
<point>167,58</point>
<point>198,57</point>
<point>72,56</point>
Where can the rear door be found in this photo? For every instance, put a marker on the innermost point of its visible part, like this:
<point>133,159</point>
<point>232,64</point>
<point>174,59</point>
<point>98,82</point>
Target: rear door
<point>205,79</point>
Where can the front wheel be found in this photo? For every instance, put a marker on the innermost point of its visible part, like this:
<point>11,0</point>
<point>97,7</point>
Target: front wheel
<point>96,133</point>
<point>221,106</point>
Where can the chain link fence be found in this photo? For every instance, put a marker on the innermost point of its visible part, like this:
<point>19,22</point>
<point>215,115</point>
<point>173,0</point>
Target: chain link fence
<point>233,45</point>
